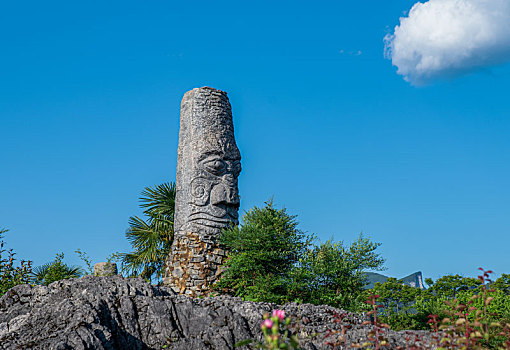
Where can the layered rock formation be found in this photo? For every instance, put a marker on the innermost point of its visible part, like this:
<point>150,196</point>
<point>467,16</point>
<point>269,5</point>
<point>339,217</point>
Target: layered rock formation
<point>120,313</point>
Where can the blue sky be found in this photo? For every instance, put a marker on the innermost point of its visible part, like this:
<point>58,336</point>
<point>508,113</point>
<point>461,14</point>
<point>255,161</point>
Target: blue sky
<point>89,116</point>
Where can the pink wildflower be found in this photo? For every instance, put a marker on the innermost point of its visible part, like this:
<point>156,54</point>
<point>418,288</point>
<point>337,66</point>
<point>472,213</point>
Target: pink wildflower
<point>280,314</point>
<point>267,323</point>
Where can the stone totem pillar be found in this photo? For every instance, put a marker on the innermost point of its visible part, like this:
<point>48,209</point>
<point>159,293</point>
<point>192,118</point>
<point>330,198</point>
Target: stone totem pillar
<point>207,197</point>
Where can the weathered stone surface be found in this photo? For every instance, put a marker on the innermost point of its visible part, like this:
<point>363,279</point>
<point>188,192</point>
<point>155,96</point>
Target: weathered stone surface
<point>207,198</point>
<point>120,313</point>
<point>103,269</point>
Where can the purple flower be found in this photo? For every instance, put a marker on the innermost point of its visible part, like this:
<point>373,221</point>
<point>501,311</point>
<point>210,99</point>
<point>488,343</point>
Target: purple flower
<point>280,314</point>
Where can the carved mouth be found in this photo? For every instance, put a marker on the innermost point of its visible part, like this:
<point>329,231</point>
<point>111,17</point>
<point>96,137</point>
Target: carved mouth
<point>211,224</point>
<point>210,220</point>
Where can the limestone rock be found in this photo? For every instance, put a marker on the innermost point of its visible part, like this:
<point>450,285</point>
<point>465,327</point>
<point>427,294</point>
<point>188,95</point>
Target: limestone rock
<point>103,269</point>
<point>128,313</point>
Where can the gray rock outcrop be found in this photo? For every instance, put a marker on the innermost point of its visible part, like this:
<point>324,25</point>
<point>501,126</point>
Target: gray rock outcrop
<point>121,313</point>
<point>207,198</point>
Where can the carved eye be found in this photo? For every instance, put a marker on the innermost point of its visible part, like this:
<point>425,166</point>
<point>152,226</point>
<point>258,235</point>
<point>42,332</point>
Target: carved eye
<point>215,166</point>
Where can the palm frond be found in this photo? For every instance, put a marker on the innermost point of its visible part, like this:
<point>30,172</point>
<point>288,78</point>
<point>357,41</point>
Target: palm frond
<point>141,234</point>
<point>39,272</point>
<point>159,200</point>
<point>74,271</point>
<point>151,238</point>
<point>54,271</point>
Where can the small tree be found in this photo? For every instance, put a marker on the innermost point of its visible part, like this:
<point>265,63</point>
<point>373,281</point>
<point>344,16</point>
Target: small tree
<point>402,304</point>
<point>503,283</point>
<point>333,274</point>
<point>271,260</point>
<point>263,250</point>
<point>450,285</point>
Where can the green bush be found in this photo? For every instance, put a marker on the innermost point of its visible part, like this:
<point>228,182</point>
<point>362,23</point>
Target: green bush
<point>407,307</point>
<point>11,275</point>
<point>399,303</point>
<point>270,259</point>
<point>333,274</point>
<point>503,284</point>
<point>262,254</point>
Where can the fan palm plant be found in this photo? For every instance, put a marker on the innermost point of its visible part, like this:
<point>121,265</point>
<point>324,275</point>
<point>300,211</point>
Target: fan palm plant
<point>55,271</point>
<point>151,238</point>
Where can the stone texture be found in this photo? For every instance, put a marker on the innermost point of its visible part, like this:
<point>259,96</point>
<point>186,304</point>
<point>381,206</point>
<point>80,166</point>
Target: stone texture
<point>104,269</point>
<point>128,313</point>
<point>207,198</point>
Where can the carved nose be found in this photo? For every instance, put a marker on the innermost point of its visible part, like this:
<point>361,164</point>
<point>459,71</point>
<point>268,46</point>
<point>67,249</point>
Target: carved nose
<point>222,194</point>
<point>228,178</point>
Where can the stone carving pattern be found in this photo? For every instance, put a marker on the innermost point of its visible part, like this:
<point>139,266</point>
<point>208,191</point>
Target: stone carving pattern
<point>207,197</point>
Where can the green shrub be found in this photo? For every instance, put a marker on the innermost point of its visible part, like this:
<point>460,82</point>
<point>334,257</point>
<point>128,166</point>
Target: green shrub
<point>270,259</point>
<point>11,275</point>
<point>263,251</point>
<point>401,305</point>
<point>333,274</point>
<point>407,307</point>
<point>503,284</point>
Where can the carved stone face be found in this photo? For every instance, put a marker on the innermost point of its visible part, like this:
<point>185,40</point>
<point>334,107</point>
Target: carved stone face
<point>214,194</point>
<point>208,164</point>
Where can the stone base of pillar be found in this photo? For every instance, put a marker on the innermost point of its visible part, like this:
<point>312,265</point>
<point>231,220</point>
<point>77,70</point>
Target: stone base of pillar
<point>104,269</point>
<point>193,265</point>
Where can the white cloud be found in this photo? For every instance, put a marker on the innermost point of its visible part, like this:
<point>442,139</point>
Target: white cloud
<point>446,38</point>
